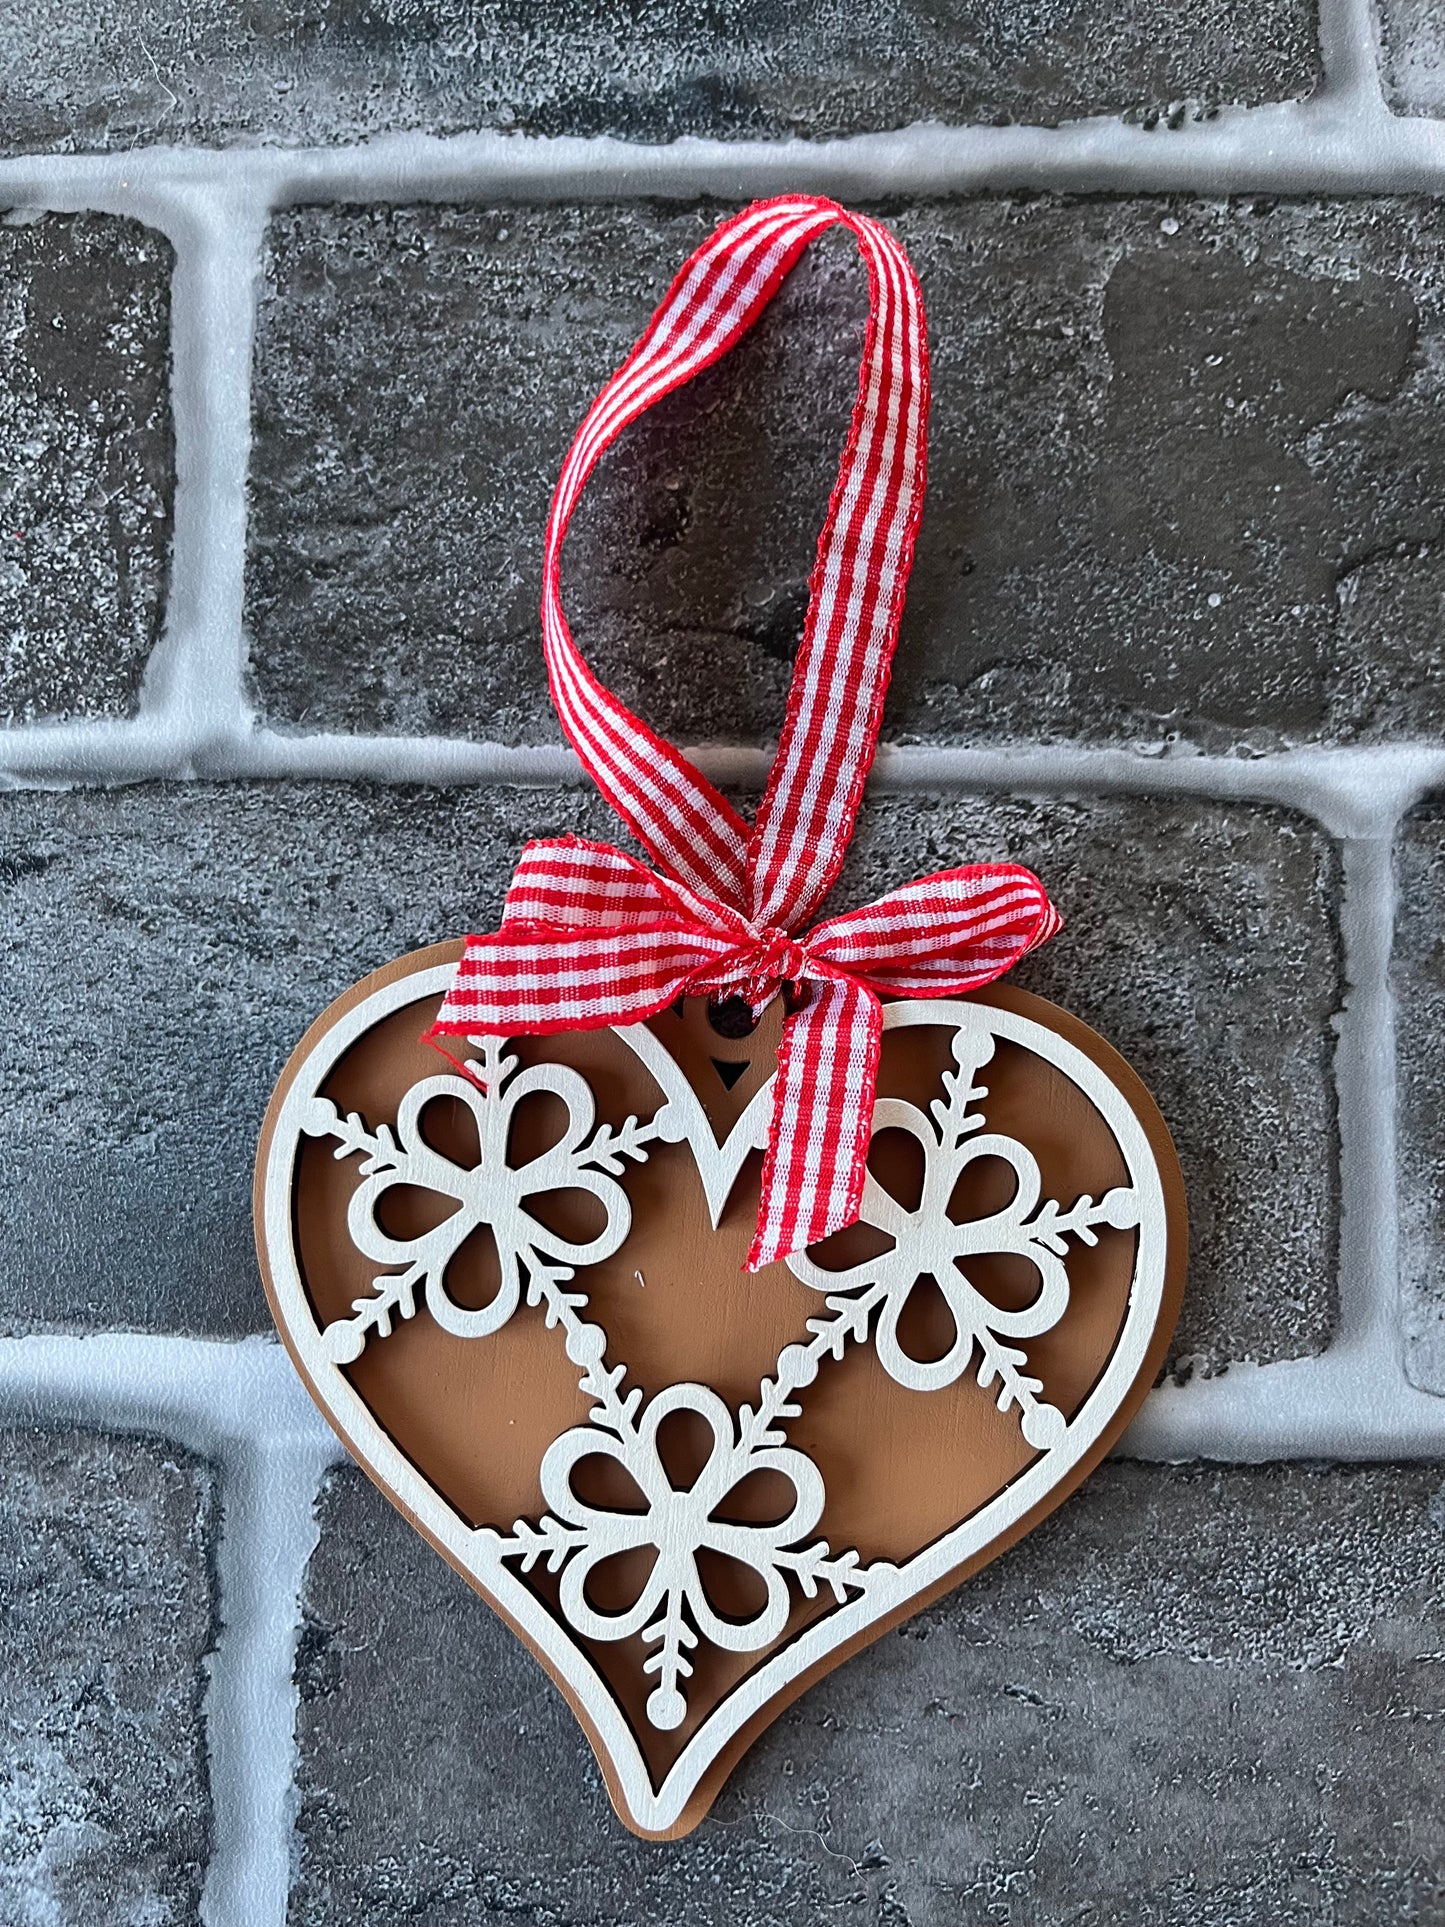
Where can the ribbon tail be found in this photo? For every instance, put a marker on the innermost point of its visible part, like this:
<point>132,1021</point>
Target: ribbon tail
<point>817,1156</point>
<point>532,979</point>
<point>943,935</point>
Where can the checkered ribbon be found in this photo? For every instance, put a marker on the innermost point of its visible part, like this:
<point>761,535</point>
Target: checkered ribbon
<point>591,937</point>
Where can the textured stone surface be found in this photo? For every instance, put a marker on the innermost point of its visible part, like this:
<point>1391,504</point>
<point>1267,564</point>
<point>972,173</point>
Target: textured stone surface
<point>1199,940</point>
<point>1194,1698</point>
<point>1152,519</point>
<point>105,1619</point>
<point>219,922</point>
<point>1419,983</point>
<point>106,75</point>
<point>1412,56</point>
<point>398,500</point>
<point>85,460</point>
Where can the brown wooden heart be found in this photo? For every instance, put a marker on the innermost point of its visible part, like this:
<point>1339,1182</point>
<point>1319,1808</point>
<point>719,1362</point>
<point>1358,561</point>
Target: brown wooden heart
<point>690,1490</point>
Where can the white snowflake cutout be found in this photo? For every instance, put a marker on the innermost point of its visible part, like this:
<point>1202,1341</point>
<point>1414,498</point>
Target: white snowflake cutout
<point>928,1243</point>
<point>493,1192</point>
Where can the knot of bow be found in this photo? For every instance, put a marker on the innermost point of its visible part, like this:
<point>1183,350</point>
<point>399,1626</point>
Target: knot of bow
<point>591,937</point>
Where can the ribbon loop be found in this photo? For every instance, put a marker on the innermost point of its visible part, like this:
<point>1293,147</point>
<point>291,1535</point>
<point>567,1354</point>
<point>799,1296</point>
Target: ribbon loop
<point>592,937</point>
<point>779,871</point>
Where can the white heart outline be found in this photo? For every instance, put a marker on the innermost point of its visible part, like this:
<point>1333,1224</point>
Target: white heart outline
<point>655,1810</point>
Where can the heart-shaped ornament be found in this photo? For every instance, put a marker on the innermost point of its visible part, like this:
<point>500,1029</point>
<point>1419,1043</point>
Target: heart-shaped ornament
<point>707,1357</point>
<point>515,1289</point>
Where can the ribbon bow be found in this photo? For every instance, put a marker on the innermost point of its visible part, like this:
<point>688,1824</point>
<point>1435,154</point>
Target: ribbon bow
<point>591,937</point>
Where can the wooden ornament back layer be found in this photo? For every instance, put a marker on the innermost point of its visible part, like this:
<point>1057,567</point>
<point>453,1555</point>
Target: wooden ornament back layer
<point>902,1468</point>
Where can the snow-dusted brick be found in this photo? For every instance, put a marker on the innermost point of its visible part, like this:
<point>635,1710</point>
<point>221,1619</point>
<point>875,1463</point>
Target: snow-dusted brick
<point>105,1622</point>
<point>108,73</point>
<point>1152,520</point>
<point>218,920</point>
<point>86,465</point>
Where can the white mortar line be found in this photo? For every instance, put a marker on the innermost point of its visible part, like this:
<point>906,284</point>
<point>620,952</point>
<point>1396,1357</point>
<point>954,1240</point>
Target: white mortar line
<point>241,1407</point>
<point>270,1533</point>
<point>1350,53</point>
<point>1370,1326</point>
<point>1324,146</point>
<point>1342,141</point>
<point>193,691</point>
<point>194,688</point>
<point>1351,790</point>
<point>1352,1402</point>
<point>1344,1403</point>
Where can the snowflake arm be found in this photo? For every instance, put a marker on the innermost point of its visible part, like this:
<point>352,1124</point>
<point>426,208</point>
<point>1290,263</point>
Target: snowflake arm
<point>394,1295</point>
<point>586,1347</point>
<point>1052,1226</point>
<point>1043,1425</point>
<point>675,1638</point>
<point>529,1544</point>
<point>378,1149</point>
<point>610,1147</point>
<point>953,1114</point>
<point>845,1322</point>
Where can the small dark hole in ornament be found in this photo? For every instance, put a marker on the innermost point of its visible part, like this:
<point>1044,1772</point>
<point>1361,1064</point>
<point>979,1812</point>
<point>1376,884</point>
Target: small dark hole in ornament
<point>599,1481</point>
<point>729,1072</point>
<point>734,1591</point>
<point>447,1126</point>
<point>575,1215</point>
<point>731,1017</point>
<point>474,1276</point>
<point>896,1159</point>
<point>763,1498</point>
<point>926,1329</point>
<point>617,1582</point>
<point>985,1185</point>
<point>410,1210</point>
<point>539,1122</point>
<point>684,1444</point>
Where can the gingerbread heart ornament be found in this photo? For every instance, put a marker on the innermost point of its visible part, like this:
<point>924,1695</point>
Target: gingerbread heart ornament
<point>732,1285</point>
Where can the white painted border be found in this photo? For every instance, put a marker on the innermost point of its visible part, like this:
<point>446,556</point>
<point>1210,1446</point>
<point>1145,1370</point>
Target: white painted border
<point>654,1811</point>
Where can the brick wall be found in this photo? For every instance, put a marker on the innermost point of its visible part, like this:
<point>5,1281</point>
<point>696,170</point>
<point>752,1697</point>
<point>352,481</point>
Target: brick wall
<point>299,307</point>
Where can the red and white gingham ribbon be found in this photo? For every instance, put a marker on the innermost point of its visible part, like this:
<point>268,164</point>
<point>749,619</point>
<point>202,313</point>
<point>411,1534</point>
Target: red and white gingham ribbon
<point>591,937</point>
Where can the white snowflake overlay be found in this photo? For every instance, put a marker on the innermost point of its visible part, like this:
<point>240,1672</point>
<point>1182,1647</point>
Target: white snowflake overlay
<point>672,1611</point>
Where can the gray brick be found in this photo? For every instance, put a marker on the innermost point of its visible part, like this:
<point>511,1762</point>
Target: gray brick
<point>398,496</point>
<point>105,1621</point>
<point>1412,56</point>
<point>1152,518</point>
<point>109,74</point>
<point>217,922</point>
<point>1194,1698</point>
<point>86,463</point>
<point>1199,939</point>
<point>1419,984</point>
<point>198,930</point>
